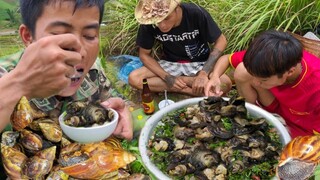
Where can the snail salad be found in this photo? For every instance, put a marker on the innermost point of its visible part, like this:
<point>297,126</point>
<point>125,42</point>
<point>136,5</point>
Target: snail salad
<point>215,139</point>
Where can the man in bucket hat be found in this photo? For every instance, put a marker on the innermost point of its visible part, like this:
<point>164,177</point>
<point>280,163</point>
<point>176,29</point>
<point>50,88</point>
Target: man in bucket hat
<point>186,31</point>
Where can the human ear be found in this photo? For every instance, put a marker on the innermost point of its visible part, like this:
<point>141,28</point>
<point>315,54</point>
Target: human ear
<point>292,70</point>
<point>25,35</point>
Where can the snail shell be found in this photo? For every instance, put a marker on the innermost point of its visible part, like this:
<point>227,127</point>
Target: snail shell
<point>299,158</point>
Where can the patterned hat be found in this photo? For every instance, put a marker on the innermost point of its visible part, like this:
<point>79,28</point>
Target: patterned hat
<point>154,11</point>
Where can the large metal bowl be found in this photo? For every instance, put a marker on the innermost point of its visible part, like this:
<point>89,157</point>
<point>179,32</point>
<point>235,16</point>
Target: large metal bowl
<point>152,122</point>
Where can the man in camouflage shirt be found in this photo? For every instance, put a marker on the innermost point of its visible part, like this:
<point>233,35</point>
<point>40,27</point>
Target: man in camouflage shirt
<point>95,87</point>
<point>59,63</point>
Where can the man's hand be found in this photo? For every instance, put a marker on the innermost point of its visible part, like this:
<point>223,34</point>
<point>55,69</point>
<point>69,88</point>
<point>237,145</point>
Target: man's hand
<point>46,65</point>
<point>199,82</point>
<point>124,128</point>
<point>213,87</point>
<point>175,82</point>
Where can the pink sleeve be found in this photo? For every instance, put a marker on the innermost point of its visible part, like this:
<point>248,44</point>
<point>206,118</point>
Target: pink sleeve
<point>236,58</point>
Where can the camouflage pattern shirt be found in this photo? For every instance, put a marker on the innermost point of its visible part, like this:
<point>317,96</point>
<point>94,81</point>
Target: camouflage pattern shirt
<point>95,87</point>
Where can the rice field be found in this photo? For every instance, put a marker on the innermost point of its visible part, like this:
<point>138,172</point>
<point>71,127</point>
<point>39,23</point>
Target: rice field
<point>9,44</point>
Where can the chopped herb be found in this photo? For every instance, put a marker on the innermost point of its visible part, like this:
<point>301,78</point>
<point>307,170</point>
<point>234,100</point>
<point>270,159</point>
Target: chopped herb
<point>227,123</point>
<point>263,169</point>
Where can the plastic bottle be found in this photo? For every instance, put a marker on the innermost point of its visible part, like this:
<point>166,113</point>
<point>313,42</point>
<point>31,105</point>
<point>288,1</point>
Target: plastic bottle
<point>147,99</point>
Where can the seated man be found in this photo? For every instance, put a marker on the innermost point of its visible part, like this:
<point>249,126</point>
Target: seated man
<point>277,74</point>
<point>59,63</point>
<point>185,32</point>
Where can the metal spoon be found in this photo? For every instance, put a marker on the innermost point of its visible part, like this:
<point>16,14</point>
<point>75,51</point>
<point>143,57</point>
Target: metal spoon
<point>166,102</point>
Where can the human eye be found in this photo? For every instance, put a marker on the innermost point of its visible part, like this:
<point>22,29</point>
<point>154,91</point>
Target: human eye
<point>58,31</point>
<point>90,37</point>
<point>59,28</point>
<point>91,34</point>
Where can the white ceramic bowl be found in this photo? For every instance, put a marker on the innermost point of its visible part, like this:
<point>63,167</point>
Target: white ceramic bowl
<point>89,134</point>
<point>162,104</point>
<point>151,123</point>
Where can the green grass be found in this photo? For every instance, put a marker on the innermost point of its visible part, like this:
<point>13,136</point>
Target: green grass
<point>4,5</point>
<point>10,44</point>
<point>240,20</point>
<point>121,27</point>
<point>248,18</point>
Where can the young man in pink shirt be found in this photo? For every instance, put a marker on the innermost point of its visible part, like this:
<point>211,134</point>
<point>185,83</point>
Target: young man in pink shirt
<point>278,75</point>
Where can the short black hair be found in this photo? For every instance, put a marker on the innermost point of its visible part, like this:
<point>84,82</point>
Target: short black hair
<point>272,53</point>
<point>31,10</point>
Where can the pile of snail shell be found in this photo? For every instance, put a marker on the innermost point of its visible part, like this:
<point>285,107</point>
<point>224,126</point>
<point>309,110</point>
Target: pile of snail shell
<point>38,149</point>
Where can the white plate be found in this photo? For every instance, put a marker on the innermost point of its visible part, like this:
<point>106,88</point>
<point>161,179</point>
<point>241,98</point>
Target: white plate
<point>151,123</point>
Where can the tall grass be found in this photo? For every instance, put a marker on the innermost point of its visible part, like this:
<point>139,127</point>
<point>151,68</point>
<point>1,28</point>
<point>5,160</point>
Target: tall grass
<point>121,27</point>
<point>248,18</point>
<point>240,20</point>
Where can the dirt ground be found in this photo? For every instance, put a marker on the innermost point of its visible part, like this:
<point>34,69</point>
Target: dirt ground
<point>134,95</point>
<point>8,32</point>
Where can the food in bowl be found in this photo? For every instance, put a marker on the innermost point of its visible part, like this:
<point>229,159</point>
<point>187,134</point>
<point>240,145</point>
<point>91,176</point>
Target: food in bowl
<point>86,114</point>
<point>87,122</point>
<point>212,137</point>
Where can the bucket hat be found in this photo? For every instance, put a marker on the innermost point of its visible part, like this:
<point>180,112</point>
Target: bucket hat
<point>154,11</point>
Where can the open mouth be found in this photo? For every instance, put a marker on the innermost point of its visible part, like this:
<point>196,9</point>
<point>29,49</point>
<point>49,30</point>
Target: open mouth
<point>77,76</point>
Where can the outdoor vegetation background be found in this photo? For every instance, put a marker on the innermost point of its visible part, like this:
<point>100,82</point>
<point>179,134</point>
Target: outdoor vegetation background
<point>240,21</point>
<point>9,21</point>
